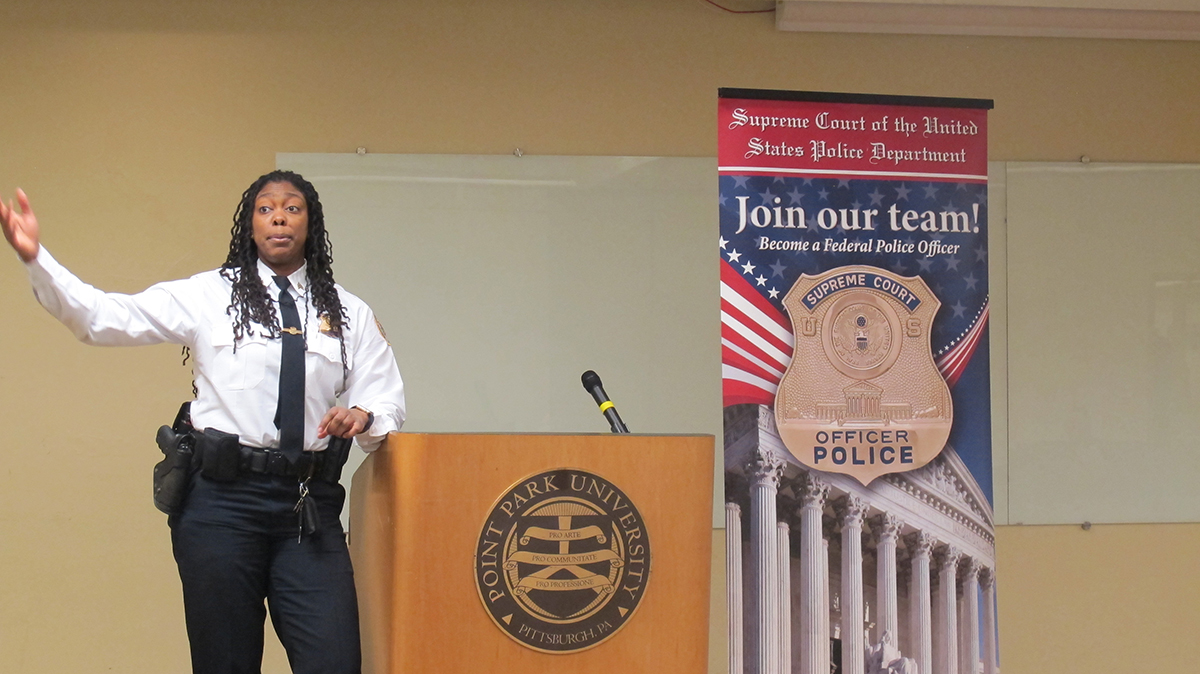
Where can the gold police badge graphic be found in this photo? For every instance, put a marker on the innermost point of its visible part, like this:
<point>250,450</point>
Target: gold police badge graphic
<point>562,561</point>
<point>862,395</point>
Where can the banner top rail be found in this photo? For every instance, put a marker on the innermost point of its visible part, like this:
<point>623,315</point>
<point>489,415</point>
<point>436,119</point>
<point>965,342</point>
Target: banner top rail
<point>866,99</point>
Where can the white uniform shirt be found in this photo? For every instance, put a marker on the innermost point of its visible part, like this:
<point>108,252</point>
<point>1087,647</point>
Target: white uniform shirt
<point>237,391</point>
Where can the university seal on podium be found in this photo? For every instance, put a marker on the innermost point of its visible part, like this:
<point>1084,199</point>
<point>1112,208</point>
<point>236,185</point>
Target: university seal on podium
<point>562,561</point>
<point>862,395</point>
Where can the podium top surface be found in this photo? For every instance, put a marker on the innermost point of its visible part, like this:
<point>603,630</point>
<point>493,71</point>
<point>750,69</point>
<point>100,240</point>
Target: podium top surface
<point>563,435</point>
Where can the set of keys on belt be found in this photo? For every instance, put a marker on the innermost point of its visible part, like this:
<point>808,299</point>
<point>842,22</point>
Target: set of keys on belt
<point>308,519</point>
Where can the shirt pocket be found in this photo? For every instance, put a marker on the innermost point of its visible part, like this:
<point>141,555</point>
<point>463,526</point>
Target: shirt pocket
<point>325,361</point>
<point>236,369</point>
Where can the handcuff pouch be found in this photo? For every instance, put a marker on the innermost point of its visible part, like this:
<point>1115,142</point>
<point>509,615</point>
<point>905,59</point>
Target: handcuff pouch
<point>220,455</point>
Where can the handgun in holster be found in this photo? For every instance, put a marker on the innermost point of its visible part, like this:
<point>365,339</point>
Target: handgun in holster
<point>173,475</point>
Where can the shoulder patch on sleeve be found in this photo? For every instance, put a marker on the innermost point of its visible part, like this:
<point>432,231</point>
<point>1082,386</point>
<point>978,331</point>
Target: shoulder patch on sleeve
<point>382,332</point>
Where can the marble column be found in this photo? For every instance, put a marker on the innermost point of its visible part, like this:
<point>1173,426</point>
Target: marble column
<point>851,512</point>
<point>969,640</point>
<point>765,471</point>
<point>785,597</point>
<point>963,667</point>
<point>887,530</point>
<point>990,664</point>
<point>823,642</point>
<point>920,545</point>
<point>733,586</point>
<point>946,635</point>
<point>814,579</point>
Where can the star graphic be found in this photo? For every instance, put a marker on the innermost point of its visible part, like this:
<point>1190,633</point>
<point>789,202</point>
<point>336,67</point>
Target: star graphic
<point>722,199</point>
<point>767,197</point>
<point>734,256</point>
<point>876,197</point>
<point>722,241</point>
<point>899,267</point>
<point>777,269</point>
<point>842,182</point>
<point>740,181</point>
<point>959,310</point>
<point>824,194</point>
<point>773,293</point>
<point>902,192</point>
<point>930,191</point>
<point>748,268</point>
<point>926,264</point>
<point>980,253</point>
<point>856,205</point>
<point>971,281</point>
<point>762,280</point>
<point>952,263</point>
<point>795,195</point>
<point>778,179</point>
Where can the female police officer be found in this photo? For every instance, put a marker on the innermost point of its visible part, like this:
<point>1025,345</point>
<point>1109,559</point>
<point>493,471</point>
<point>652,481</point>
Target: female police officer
<point>276,342</point>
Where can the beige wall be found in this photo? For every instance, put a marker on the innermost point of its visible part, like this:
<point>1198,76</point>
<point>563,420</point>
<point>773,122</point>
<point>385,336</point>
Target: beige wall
<point>135,127</point>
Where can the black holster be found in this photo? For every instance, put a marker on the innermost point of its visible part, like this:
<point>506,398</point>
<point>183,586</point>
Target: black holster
<point>173,475</point>
<point>335,458</point>
<point>328,468</point>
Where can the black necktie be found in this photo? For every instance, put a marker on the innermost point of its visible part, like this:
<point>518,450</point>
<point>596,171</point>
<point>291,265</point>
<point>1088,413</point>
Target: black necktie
<point>289,414</point>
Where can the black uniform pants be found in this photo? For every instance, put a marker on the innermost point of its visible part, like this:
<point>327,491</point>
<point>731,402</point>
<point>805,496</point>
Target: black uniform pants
<point>235,544</point>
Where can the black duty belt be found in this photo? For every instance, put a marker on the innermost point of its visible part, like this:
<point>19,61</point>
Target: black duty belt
<point>273,462</point>
<point>223,458</point>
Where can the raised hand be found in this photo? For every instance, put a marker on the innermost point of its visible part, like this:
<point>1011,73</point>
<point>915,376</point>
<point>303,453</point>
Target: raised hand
<point>20,229</point>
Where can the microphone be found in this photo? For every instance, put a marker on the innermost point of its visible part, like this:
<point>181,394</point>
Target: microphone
<point>591,382</point>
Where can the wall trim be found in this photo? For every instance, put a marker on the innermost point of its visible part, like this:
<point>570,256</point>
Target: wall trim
<point>963,19</point>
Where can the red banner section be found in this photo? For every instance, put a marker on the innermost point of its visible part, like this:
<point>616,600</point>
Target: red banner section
<point>840,139</point>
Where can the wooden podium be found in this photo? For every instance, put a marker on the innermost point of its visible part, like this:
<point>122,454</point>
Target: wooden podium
<point>420,509</point>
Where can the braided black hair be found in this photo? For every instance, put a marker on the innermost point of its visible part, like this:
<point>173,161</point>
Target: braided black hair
<point>250,302</point>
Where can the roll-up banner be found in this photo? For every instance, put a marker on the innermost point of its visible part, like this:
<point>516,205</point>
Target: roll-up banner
<point>854,333</point>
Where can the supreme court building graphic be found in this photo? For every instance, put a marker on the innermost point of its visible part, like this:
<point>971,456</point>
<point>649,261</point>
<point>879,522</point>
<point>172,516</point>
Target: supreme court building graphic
<point>827,575</point>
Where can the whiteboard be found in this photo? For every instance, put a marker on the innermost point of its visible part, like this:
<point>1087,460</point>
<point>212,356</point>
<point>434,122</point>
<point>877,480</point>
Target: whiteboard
<point>1103,282</point>
<point>501,279</point>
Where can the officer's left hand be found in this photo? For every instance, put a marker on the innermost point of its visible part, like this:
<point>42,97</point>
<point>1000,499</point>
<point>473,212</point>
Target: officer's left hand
<point>20,228</point>
<point>342,422</point>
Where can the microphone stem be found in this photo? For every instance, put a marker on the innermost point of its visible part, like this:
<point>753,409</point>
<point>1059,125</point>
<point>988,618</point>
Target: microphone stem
<point>614,420</point>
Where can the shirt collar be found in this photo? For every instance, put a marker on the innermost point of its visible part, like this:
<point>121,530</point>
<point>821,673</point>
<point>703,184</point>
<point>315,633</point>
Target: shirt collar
<point>298,278</point>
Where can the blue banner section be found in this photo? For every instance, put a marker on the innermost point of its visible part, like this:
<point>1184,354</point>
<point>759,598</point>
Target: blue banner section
<point>774,228</point>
